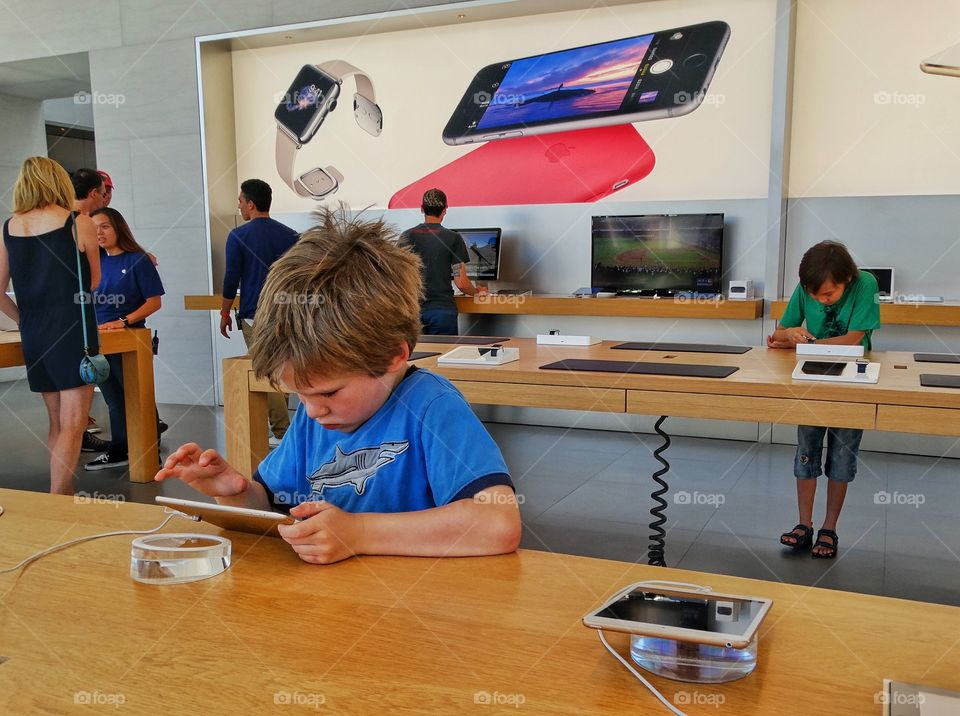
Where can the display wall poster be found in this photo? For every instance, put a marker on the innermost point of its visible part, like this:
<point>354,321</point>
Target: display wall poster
<point>665,100</point>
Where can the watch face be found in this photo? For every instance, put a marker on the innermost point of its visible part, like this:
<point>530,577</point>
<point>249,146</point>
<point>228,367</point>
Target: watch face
<point>306,102</point>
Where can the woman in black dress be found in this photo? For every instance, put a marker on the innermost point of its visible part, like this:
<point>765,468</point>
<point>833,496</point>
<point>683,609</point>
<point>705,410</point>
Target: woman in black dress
<point>40,255</point>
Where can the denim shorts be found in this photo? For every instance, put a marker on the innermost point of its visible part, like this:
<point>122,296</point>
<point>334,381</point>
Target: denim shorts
<point>843,446</point>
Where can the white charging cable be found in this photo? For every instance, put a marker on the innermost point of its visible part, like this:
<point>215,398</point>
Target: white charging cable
<point>616,654</point>
<point>64,545</point>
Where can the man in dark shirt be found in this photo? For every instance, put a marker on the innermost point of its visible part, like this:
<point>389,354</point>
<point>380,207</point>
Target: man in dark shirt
<point>440,249</point>
<point>251,250</point>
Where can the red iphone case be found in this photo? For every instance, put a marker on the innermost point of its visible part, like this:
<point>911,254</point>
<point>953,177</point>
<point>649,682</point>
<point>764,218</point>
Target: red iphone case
<point>559,168</point>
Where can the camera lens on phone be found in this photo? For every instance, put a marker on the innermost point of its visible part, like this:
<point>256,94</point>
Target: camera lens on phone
<point>695,61</point>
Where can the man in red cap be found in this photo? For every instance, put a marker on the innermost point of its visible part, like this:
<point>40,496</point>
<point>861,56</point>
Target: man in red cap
<point>107,187</point>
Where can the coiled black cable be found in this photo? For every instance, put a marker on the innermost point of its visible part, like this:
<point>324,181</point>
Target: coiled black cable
<point>655,550</point>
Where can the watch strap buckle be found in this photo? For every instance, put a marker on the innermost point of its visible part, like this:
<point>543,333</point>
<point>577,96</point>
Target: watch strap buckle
<point>368,114</point>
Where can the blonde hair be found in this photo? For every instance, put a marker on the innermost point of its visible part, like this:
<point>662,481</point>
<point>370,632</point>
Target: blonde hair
<point>42,182</point>
<point>343,299</point>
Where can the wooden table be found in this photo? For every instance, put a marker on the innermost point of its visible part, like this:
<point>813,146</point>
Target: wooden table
<point>135,346</point>
<point>391,634</point>
<point>761,390</point>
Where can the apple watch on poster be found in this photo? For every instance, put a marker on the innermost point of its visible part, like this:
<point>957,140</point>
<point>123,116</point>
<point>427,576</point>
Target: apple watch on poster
<point>311,97</point>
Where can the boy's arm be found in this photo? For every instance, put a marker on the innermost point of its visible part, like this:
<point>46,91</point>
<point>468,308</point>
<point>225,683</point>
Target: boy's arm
<point>790,331</point>
<point>488,523</point>
<point>852,338</point>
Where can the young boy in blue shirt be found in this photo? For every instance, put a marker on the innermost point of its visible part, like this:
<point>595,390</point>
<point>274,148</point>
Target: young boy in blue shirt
<point>839,305</point>
<point>381,457</point>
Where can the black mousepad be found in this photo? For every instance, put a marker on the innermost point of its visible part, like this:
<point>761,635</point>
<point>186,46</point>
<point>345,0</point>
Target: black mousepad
<point>417,355</point>
<point>618,366</point>
<point>683,347</point>
<point>462,340</point>
<point>933,380</point>
<point>936,358</point>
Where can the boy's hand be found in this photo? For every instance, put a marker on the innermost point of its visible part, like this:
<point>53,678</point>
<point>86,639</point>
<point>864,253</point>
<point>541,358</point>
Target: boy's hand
<point>798,335</point>
<point>204,470</point>
<point>771,343</point>
<point>325,534</point>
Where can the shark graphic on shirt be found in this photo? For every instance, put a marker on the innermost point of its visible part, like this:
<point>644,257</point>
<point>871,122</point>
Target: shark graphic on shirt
<point>354,468</point>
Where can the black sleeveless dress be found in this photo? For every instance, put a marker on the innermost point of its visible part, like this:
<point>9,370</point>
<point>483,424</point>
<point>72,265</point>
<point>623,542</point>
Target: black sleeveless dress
<point>44,273</point>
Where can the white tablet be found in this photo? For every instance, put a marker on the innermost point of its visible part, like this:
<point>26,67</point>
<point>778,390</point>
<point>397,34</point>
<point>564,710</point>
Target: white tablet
<point>727,620</point>
<point>239,519</point>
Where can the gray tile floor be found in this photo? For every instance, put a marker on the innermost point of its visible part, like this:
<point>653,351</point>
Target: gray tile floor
<point>587,492</point>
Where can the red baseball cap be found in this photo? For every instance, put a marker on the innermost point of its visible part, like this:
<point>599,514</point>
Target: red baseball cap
<point>107,181</point>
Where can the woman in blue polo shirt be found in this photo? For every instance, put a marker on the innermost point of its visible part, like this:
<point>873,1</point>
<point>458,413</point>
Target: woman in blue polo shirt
<point>129,291</point>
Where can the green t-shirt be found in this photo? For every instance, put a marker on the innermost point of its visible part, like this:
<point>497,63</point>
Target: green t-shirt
<point>857,310</point>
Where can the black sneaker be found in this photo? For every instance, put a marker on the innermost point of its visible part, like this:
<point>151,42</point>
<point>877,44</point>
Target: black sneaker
<point>162,427</point>
<point>103,462</point>
<point>91,443</point>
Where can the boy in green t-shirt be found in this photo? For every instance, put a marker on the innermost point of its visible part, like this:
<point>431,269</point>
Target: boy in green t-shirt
<point>840,306</point>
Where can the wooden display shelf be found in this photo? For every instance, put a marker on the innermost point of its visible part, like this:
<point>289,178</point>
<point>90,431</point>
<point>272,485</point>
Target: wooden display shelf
<point>621,306</point>
<point>716,308</point>
<point>205,303</point>
<point>902,314</point>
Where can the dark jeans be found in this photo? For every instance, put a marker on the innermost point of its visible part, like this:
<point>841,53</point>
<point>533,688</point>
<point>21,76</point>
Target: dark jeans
<point>112,389</point>
<point>843,447</point>
<point>439,322</point>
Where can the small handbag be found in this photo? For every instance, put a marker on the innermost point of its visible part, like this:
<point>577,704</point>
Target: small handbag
<point>93,368</point>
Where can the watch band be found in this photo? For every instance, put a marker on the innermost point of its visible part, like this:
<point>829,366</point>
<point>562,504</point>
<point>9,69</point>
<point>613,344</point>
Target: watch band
<point>320,182</point>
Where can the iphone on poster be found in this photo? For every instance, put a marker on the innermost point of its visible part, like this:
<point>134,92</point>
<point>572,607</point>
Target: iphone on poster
<point>651,76</point>
<point>560,168</point>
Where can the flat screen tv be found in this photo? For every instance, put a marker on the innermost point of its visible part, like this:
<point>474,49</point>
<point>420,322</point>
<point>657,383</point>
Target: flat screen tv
<point>483,248</point>
<point>657,254</point>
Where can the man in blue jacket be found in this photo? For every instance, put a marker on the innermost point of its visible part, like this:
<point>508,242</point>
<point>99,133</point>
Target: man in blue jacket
<point>251,250</point>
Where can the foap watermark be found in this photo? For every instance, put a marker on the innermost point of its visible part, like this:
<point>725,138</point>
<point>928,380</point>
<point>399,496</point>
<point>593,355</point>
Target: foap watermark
<point>497,698</point>
<point>484,99</point>
<point>898,699</point>
<point>899,498</point>
<point>310,699</point>
<point>98,498</point>
<point>700,299</point>
<point>499,498</point>
<point>99,698</point>
<point>84,97</point>
<point>714,499</point>
<point>500,299</point>
<point>700,97</point>
<point>698,698</point>
<point>285,298</point>
<point>899,99</point>
<point>99,299</point>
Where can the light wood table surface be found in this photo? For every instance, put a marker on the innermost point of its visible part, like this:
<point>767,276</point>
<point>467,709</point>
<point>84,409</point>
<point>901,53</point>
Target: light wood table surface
<point>402,635</point>
<point>761,390</point>
<point>140,402</point>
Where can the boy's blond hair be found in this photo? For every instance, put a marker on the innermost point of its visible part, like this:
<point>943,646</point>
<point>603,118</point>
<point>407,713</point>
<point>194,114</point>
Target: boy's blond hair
<point>42,182</point>
<point>343,299</point>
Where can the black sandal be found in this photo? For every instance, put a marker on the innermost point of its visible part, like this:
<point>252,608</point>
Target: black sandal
<point>804,539</point>
<point>821,543</point>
